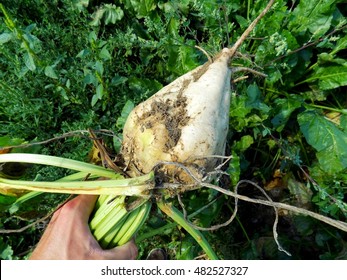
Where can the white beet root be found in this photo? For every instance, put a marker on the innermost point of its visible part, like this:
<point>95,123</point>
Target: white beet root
<point>186,121</point>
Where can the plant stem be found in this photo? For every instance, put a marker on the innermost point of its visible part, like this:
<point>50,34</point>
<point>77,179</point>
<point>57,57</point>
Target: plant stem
<point>248,8</point>
<point>240,224</point>
<point>177,216</point>
<point>59,162</point>
<point>154,232</point>
<point>342,111</point>
<point>171,225</point>
<point>138,186</point>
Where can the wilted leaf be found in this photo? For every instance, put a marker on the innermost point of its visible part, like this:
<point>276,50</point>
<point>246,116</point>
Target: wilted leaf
<point>334,117</point>
<point>301,192</point>
<point>12,191</point>
<point>329,141</point>
<point>276,181</point>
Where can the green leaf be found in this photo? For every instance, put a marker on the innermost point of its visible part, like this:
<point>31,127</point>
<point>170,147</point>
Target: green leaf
<point>6,251</point>
<point>325,58</point>
<point>238,113</point>
<point>105,54</point>
<point>234,168</point>
<point>6,200</point>
<point>92,37</point>
<point>49,72</point>
<point>97,16</point>
<point>118,80</point>
<point>81,4</point>
<point>62,91</point>
<point>254,99</point>
<point>5,37</point>
<point>29,61</point>
<point>182,58</point>
<point>343,122</point>
<point>284,108</point>
<point>330,77</point>
<point>144,87</point>
<point>99,67</point>
<point>113,13</point>
<point>95,99</point>
<point>110,13</point>
<point>83,53</point>
<point>129,105</point>
<point>90,79</point>
<point>329,141</point>
<point>100,91</point>
<point>8,141</point>
<point>315,16</point>
<point>242,22</point>
<point>245,142</point>
<point>187,248</point>
<point>341,44</point>
<point>30,28</point>
<point>143,8</point>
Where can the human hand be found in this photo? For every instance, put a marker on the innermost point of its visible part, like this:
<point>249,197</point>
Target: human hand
<point>68,237</point>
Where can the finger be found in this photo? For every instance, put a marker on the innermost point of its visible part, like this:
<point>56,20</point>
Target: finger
<point>127,251</point>
<point>83,206</point>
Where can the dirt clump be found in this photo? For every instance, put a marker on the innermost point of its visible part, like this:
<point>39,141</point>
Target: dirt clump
<point>172,114</point>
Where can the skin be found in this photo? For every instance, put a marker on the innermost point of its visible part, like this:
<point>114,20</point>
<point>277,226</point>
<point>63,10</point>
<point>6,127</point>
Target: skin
<point>68,237</point>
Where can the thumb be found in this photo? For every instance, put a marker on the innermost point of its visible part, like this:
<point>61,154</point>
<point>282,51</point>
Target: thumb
<point>84,205</point>
<point>128,251</point>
